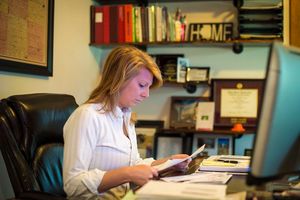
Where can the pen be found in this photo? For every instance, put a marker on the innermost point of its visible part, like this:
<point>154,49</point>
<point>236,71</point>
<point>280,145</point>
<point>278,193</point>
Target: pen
<point>228,161</point>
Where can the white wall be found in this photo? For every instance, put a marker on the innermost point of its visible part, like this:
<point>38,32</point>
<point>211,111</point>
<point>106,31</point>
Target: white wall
<point>75,63</point>
<point>76,68</point>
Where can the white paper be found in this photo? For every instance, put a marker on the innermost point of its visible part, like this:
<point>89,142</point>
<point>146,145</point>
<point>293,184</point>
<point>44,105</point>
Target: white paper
<point>201,177</point>
<point>168,190</point>
<point>172,162</point>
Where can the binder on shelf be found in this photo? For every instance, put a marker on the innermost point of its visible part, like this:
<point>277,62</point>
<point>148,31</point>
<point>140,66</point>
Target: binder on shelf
<point>121,24</point>
<point>92,24</point>
<point>100,24</point>
<point>128,22</point>
<point>97,35</point>
<point>114,23</point>
<point>106,22</point>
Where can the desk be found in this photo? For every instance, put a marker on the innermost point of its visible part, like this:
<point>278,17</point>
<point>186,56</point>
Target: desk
<point>236,184</point>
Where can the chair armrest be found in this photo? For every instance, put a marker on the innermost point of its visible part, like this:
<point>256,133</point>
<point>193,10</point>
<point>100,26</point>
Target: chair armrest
<point>37,195</point>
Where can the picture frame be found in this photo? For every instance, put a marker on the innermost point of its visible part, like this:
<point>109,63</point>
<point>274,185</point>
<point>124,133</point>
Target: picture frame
<point>183,111</point>
<point>182,64</point>
<point>197,74</point>
<point>146,132</point>
<point>28,52</point>
<point>167,146</point>
<point>237,101</point>
<point>216,144</point>
<point>168,65</point>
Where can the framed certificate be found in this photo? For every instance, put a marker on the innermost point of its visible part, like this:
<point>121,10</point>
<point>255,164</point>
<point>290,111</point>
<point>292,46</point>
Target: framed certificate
<point>237,101</point>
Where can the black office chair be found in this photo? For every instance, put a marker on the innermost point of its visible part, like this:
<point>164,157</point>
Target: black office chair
<point>31,132</point>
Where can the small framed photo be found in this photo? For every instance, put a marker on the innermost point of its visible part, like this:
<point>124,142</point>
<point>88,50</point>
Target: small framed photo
<point>214,144</point>
<point>168,65</point>
<point>167,146</point>
<point>237,101</point>
<point>145,133</point>
<point>183,111</point>
<point>182,65</point>
<point>197,74</point>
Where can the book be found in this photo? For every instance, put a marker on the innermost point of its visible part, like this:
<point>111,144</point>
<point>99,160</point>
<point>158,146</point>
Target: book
<point>138,24</point>
<point>97,22</point>
<point>128,18</point>
<point>158,23</point>
<point>226,163</point>
<point>92,25</point>
<point>106,22</point>
<point>205,113</point>
<point>171,162</point>
<point>121,24</point>
<point>114,23</point>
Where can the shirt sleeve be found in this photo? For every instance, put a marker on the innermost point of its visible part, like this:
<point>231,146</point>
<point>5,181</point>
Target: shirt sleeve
<point>80,138</point>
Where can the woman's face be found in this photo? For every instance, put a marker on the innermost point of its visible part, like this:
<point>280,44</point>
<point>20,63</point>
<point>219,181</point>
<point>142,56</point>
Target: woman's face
<point>136,90</point>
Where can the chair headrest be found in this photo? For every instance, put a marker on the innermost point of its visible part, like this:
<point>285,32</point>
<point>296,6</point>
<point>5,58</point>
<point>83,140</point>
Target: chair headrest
<point>42,117</point>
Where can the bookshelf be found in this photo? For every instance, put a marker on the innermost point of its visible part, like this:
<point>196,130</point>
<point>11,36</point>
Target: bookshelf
<point>236,42</point>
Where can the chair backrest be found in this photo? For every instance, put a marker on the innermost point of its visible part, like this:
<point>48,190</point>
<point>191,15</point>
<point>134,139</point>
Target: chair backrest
<point>33,126</point>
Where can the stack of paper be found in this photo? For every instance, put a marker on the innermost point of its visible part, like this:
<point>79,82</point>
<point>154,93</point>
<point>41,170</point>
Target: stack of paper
<point>226,163</point>
<point>169,190</point>
<point>200,177</point>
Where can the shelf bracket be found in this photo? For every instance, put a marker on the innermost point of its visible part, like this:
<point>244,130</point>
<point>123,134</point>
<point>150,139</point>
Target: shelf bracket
<point>237,47</point>
<point>190,88</point>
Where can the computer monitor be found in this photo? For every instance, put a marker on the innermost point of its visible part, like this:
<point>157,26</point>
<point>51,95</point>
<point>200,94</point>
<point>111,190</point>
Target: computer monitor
<point>276,150</point>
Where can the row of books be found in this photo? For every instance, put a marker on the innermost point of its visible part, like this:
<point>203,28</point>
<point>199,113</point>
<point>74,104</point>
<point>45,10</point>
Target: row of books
<point>127,23</point>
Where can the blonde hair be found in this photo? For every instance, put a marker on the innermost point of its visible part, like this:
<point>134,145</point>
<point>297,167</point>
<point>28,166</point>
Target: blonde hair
<point>122,64</point>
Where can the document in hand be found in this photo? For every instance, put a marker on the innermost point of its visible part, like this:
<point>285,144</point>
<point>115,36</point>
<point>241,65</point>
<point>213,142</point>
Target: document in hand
<point>169,190</point>
<point>172,162</point>
<point>226,163</point>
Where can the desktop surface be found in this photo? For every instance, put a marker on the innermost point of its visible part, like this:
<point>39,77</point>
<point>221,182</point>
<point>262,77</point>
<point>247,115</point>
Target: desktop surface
<point>238,184</point>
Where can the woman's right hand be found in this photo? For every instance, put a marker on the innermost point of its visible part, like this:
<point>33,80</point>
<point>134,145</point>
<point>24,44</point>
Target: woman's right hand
<point>141,174</point>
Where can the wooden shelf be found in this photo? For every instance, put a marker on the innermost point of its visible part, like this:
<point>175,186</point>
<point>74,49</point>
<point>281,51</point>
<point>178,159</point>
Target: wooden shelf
<point>254,42</point>
<point>143,2</point>
<point>223,131</point>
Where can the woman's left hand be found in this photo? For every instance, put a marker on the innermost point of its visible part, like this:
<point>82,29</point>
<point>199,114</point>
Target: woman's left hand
<point>183,166</point>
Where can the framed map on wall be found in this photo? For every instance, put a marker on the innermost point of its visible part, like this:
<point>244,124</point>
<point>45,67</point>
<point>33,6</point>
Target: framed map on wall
<point>26,36</point>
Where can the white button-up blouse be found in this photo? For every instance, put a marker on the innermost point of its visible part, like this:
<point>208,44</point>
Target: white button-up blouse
<point>94,142</point>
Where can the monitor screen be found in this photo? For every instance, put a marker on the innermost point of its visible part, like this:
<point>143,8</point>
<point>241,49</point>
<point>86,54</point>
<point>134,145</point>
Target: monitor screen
<point>276,150</point>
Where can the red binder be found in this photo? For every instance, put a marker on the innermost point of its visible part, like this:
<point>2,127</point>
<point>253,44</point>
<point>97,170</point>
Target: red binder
<point>121,24</point>
<point>128,22</point>
<point>98,24</point>
<point>106,22</point>
<point>100,33</point>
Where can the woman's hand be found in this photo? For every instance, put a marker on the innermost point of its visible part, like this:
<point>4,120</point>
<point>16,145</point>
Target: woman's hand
<point>183,166</point>
<point>141,174</point>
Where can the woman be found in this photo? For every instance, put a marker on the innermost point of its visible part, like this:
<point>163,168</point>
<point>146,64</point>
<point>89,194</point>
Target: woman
<point>100,152</point>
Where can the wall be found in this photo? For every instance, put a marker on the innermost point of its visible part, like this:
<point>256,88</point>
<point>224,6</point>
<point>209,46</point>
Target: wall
<point>75,64</point>
<point>76,68</point>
